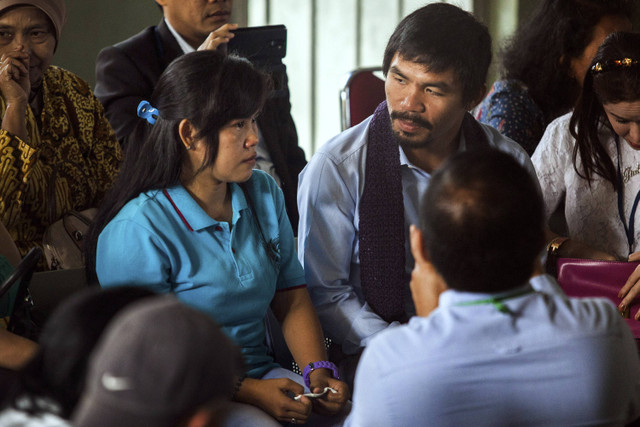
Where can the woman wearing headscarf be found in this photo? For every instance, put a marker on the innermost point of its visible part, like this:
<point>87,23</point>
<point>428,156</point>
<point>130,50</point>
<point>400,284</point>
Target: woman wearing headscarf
<point>57,151</point>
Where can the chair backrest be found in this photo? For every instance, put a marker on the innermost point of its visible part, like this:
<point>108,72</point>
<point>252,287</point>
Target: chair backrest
<point>8,247</point>
<point>363,91</point>
<point>22,273</point>
<point>20,322</point>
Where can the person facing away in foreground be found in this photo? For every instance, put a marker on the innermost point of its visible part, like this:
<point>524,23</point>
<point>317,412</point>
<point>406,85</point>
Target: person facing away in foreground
<point>50,385</point>
<point>489,346</point>
<point>360,191</point>
<point>159,364</point>
<point>590,159</point>
<point>196,220</point>
<point>545,63</point>
<point>127,73</point>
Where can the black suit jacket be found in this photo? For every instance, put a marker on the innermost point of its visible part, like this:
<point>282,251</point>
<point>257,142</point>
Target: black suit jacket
<point>127,73</point>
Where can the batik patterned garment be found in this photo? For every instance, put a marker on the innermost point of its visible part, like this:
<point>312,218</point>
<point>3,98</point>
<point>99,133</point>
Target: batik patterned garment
<point>68,163</point>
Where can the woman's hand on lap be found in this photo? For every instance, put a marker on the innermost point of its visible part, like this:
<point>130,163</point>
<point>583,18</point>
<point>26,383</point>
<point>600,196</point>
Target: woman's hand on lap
<point>331,403</point>
<point>274,397</point>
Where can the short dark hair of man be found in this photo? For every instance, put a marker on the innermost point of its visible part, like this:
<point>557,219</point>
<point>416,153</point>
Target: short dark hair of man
<point>441,37</point>
<point>483,222</point>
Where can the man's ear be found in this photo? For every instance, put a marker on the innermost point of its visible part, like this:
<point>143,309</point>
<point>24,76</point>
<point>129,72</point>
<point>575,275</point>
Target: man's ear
<point>202,418</point>
<point>477,98</point>
<point>419,252</point>
<point>426,283</point>
<point>209,415</point>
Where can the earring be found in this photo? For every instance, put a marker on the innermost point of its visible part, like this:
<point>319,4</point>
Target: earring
<point>189,147</point>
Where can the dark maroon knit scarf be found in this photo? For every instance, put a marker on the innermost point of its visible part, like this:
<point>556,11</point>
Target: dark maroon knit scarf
<point>381,228</point>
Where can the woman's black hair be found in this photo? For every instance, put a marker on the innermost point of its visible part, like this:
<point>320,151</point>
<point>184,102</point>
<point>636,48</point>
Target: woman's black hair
<point>58,369</point>
<point>207,88</point>
<point>540,53</point>
<point>612,84</point>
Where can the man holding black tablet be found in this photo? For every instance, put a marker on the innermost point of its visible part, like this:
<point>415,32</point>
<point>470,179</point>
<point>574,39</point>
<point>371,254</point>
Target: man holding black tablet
<point>127,72</point>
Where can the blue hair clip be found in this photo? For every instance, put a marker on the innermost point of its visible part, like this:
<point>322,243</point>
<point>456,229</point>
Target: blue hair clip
<point>147,112</point>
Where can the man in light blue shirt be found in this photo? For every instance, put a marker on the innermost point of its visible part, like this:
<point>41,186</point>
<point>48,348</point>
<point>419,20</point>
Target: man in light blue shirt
<point>489,346</point>
<point>360,192</point>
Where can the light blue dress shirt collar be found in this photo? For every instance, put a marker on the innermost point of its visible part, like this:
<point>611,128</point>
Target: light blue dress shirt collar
<point>452,297</point>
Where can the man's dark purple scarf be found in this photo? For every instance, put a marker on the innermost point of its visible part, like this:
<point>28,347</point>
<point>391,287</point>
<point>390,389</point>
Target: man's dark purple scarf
<point>381,228</point>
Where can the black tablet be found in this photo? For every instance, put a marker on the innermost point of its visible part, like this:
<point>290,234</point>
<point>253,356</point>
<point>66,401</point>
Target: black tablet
<point>263,44</point>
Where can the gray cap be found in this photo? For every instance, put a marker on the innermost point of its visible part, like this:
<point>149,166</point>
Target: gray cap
<point>158,361</point>
<point>56,10</point>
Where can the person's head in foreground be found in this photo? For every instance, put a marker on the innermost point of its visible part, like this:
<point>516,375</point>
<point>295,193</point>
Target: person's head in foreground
<point>161,363</point>
<point>482,224</point>
<point>57,371</point>
<point>491,345</point>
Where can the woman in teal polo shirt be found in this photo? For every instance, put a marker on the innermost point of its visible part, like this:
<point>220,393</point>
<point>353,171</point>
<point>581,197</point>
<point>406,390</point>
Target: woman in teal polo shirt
<point>189,215</point>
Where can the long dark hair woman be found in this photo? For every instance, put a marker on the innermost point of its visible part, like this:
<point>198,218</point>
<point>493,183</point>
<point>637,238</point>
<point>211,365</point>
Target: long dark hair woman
<point>545,62</point>
<point>189,215</point>
<point>592,159</point>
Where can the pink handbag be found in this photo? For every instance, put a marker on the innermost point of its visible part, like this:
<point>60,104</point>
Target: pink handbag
<point>591,278</point>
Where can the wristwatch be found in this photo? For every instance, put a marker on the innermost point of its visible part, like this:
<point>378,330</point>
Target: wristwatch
<point>318,365</point>
<point>554,246</point>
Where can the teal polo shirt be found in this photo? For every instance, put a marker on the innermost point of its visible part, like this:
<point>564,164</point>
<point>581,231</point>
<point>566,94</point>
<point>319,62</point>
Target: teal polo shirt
<point>163,240</point>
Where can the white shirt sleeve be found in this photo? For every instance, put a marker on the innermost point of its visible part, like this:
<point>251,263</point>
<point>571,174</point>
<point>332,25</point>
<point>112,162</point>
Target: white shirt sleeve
<point>551,159</point>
